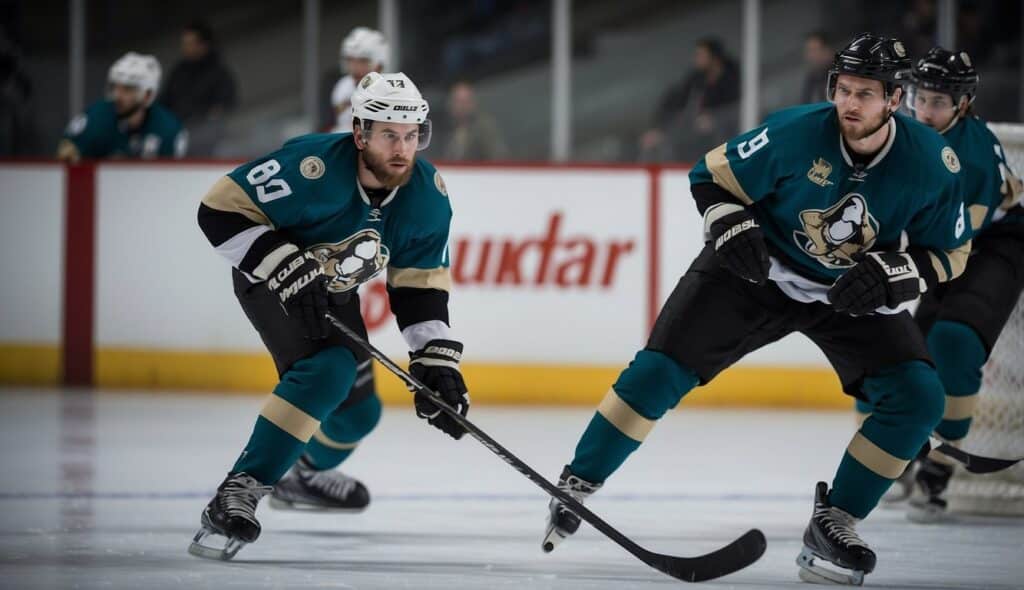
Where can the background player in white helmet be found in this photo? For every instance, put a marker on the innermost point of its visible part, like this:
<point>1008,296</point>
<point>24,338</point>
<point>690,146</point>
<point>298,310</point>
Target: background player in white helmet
<point>364,50</point>
<point>127,123</point>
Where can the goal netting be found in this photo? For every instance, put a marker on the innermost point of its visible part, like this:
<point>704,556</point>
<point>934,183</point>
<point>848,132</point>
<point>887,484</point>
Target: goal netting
<point>998,426</point>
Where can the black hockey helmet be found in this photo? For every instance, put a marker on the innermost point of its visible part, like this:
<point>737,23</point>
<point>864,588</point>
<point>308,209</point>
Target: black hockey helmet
<point>945,71</point>
<point>873,57</point>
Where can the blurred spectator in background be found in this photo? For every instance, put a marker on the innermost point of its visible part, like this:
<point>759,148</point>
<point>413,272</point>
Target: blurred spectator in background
<point>363,50</point>
<point>200,89</point>
<point>17,118</point>
<point>698,113</point>
<point>472,134</point>
<point>127,123</point>
<point>818,54</point>
<point>918,34</point>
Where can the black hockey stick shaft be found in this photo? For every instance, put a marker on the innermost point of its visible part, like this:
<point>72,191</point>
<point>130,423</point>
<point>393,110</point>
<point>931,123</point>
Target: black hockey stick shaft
<point>733,557</point>
<point>970,461</point>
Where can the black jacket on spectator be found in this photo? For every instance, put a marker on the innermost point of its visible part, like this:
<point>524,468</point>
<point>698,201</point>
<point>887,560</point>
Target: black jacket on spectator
<point>725,91</point>
<point>195,88</point>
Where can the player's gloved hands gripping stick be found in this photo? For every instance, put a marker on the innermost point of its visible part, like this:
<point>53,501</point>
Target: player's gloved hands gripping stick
<point>436,365</point>
<point>301,286</point>
<point>738,240</point>
<point>881,279</point>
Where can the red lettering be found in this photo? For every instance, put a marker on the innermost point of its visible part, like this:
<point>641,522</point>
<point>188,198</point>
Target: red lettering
<point>615,249</point>
<point>461,261</point>
<point>582,264</point>
<point>373,304</point>
<point>509,263</point>
<point>509,269</point>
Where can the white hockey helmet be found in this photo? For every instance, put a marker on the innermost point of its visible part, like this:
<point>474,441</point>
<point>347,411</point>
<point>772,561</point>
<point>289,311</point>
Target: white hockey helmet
<point>390,98</point>
<point>136,69</point>
<point>365,43</point>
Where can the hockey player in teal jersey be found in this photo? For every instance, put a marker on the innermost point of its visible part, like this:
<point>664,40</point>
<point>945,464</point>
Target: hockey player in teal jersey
<point>127,124</point>
<point>829,220</point>
<point>303,227</point>
<point>962,320</point>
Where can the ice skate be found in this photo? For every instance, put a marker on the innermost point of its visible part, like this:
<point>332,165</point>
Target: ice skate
<point>231,516</point>
<point>831,537</point>
<point>305,488</point>
<point>928,501</point>
<point>562,521</point>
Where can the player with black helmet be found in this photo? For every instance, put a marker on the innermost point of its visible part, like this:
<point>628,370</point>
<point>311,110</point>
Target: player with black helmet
<point>962,320</point>
<point>828,219</point>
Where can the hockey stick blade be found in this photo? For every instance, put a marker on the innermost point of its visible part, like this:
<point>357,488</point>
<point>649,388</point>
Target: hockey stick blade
<point>970,461</point>
<point>733,557</point>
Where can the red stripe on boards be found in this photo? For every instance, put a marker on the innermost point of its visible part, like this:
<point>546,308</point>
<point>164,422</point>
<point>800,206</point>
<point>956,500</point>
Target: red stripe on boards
<point>79,274</point>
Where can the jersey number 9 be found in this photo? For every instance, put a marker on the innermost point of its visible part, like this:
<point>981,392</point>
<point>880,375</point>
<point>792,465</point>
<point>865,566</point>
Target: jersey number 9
<point>267,188</point>
<point>747,148</point>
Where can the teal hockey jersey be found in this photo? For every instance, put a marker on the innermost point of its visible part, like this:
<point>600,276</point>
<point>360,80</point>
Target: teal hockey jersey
<point>97,133</point>
<point>308,193</point>
<point>990,185</point>
<point>819,211</point>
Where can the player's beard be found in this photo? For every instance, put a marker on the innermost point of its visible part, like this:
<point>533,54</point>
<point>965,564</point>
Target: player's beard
<point>379,168</point>
<point>852,134</point>
<point>129,112</point>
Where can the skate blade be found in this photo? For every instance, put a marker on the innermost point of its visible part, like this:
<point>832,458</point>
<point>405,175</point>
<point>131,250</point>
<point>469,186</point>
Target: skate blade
<point>815,574</point>
<point>553,539</point>
<point>225,552</point>
<point>279,504</point>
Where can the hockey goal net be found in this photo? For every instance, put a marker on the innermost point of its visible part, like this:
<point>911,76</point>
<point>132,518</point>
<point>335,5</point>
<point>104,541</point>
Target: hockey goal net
<point>998,426</point>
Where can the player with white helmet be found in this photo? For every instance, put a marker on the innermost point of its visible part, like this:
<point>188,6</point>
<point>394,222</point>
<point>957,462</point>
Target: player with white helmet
<point>303,227</point>
<point>127,123</point>
<point>362,51</point>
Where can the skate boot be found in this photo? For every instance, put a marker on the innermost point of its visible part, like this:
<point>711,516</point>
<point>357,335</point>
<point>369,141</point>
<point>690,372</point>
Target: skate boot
<point>305,488</point>
<point>562,521</point>
<point>928,500</point>
<point>831,537</point>
<point>231,514</point>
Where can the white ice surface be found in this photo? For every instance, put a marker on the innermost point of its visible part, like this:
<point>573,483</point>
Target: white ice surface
<point>105,491</point>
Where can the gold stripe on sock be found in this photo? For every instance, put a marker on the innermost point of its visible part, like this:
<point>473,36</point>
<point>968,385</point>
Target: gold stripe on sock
<point>875,458</point>
<point>960,407</point>
<point>289,418</point>
<point>330,443</point>
<point>623,417</point>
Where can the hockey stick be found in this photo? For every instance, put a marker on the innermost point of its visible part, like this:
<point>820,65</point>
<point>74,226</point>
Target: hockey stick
<point>971,462</point>
<point>733,557</point>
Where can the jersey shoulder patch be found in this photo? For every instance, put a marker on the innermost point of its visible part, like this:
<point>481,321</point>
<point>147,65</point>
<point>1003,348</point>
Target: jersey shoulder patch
<point>950,159</point>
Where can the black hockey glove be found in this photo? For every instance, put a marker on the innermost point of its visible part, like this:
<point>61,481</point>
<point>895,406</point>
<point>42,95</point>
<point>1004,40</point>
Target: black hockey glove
<point>301,286</point>
<point>880,279</point>
<point>738,240</point>
<point>436,365</point>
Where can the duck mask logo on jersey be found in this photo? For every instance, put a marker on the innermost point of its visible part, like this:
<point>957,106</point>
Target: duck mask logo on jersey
<point>837,235</point>
<point>353,261</point>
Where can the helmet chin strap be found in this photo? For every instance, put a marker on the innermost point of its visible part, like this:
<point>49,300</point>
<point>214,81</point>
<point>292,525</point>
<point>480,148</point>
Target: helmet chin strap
<point>952,122</point>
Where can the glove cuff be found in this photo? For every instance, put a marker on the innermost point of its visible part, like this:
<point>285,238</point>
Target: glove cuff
<point>438,353</point>
<point>905,282</point>
<point>716,212</point>
<point>273,259</point>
